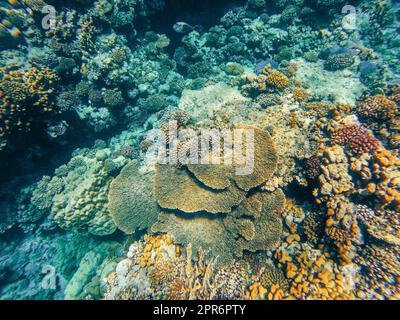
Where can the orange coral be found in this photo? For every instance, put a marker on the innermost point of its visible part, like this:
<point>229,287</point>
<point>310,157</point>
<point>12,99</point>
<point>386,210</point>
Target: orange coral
<point>24,94</point>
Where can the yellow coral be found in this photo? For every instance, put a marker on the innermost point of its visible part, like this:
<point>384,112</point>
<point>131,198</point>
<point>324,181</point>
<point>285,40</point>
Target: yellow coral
<point>277,79</point>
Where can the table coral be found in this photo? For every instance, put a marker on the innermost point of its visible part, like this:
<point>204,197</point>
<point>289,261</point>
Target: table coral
<point>174,188</point>
<point>133,208</point>
<point>267,222</point>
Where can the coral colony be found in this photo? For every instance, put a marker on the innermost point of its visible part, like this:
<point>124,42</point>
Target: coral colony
<point>182,149</point>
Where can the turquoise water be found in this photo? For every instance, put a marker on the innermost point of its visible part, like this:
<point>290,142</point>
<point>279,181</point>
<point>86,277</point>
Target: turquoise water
<point>171,149</point>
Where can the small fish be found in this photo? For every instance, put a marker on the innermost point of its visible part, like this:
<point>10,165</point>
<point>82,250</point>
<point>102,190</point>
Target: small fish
<point>185,28</point>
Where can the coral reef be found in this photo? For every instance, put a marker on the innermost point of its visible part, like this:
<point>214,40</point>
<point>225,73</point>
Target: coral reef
<point>133,208</point>
<point>85,84</point>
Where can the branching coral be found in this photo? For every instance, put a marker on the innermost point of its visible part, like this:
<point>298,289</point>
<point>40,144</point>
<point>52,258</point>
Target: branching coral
<point>24,96</point>
<point>156,268</point>
<point>378,107</point>
<point>175,188</point>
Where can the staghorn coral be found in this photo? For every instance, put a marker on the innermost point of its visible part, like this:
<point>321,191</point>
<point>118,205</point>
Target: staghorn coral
<point>131,202</point>
<point>357,138</point>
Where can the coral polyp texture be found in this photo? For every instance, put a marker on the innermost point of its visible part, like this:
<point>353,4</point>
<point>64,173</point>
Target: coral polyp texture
<point>182,149</point>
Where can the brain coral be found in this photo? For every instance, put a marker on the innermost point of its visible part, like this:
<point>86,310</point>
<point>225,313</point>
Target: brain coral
<point>132,205</point>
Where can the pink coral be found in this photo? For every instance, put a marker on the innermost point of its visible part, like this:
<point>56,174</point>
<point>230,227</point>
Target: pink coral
<point>356,137</point>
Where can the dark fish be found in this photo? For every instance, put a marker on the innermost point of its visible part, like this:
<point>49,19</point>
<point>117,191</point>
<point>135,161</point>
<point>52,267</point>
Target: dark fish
<point>185,28</point>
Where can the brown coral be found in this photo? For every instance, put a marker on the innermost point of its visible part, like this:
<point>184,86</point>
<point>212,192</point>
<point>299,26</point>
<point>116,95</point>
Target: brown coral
<point>377,107</point>
<point>358,138</point>
<point>24,98</point>
<point>175,188</point>
<point>265,159</point>
<point>131,202</point>
<point>267,225</point>
<point>202,232</point>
